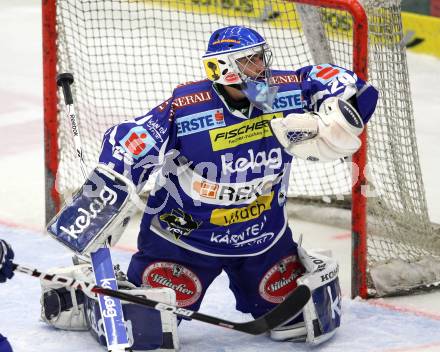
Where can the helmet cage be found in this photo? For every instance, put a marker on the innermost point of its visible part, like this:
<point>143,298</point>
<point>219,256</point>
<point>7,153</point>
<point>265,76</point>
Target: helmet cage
<point>248,60</point>
<point>252,65</point>
<point>227,68</point>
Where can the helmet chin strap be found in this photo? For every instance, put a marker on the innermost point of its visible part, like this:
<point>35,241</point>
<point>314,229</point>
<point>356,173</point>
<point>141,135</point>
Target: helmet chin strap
<point>261,94</point>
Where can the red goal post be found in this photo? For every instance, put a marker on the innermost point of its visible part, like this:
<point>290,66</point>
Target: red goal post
<point>359,200</point>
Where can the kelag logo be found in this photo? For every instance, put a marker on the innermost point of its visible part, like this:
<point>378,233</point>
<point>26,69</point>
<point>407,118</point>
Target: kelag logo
<point>271,159</point>
<point>201,121</point>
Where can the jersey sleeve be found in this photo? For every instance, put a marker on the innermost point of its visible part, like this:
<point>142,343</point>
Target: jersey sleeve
<point>137,147</point>
<point>320,82</point>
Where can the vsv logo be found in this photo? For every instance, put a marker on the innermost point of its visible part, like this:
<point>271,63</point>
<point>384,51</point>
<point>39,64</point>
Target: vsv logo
<point>82,222</point>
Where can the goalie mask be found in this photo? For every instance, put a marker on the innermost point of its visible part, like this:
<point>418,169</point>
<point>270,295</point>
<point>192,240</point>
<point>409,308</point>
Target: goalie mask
<point>240,56</point>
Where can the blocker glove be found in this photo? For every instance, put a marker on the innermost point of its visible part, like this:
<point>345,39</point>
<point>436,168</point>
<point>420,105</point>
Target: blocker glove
<point>6,256</point>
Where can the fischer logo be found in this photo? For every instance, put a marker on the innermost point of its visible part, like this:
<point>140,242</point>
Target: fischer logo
<point>271,159</point>
<point>82,222</point>
<point>241,133</point>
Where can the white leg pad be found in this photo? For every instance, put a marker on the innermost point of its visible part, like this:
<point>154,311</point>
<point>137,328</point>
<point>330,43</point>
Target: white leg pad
<point>294,332</point>
<point>322,312</point>
<point>72,310</point>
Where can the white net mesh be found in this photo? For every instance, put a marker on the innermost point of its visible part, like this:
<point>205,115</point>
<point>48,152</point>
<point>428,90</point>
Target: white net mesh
<point>127,56</point>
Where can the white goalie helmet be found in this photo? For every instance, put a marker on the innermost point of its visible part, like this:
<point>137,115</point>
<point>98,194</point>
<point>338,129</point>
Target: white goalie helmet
<point>240,56</point>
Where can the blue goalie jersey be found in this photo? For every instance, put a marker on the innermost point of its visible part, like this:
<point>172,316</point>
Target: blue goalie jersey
<point>221,176</point>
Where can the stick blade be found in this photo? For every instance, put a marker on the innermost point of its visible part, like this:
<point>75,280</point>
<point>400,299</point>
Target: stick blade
<point>282,313</point>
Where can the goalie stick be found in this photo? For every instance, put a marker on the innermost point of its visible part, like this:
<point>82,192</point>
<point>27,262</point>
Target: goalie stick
<point>283,312</point>
<point>114,326</point>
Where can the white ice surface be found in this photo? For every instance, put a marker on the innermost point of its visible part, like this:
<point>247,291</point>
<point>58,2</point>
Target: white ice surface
<point>366,326</point>
<point>400,324</point>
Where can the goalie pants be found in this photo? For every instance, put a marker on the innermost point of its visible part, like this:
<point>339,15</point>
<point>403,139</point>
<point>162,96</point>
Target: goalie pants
<point>258,283</point>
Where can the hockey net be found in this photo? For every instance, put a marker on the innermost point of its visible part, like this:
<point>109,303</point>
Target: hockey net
<point>127,56</point>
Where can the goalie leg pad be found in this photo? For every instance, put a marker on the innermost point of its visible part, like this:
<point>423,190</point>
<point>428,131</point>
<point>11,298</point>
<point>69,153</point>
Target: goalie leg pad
<point>322,314</point>
<point>291,332</point>
<point>64,308</point>
<point>147,328</point>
